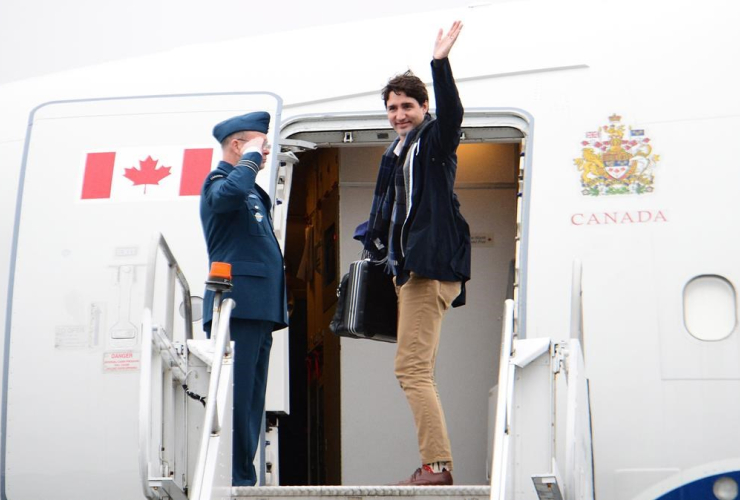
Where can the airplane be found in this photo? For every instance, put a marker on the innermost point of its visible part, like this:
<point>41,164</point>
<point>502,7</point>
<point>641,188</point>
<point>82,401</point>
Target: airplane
<point>597,356</point>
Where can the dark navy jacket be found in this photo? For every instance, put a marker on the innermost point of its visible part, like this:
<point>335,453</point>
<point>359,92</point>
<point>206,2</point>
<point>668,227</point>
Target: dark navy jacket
<point>436,237</point>
<point>235,213</point>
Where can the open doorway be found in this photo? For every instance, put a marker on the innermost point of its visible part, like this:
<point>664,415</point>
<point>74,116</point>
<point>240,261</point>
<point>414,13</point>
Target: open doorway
<point>310,444</point>
<point>357,428</point>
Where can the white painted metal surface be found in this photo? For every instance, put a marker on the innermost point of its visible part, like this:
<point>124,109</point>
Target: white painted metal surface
<point>83,258</point>
<point>576,302</point>
<point>542,416</point>
<point>638,251</point>
<point>500,472</point>
<point>212,476</point>
<point>579,474</point>
<point>145,450</point>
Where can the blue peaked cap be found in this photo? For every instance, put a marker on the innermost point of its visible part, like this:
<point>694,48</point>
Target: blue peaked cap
<point>258,121</point>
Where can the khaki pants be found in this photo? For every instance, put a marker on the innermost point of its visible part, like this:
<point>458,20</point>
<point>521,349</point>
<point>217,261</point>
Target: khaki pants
<point>422,303</point>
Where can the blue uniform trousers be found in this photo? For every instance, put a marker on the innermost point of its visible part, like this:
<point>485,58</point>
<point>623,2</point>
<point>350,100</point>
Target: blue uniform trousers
<point>253,340</point>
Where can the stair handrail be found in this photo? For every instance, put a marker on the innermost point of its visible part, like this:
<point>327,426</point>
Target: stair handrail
<point>580,485</point>
<point>145,402</point>
<point>576,302</point>
<point>174,274</point>
<point>211,419</point>
<point>501,437</point>
<point>579,474</point>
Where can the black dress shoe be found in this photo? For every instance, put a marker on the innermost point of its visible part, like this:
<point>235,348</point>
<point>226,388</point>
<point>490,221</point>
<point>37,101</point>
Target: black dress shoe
<point>425,476</point>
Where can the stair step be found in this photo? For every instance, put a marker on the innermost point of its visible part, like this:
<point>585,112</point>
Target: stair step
<point>463,492</point>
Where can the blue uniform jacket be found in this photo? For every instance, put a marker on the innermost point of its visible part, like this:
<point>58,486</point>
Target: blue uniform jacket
<point>235,213</point>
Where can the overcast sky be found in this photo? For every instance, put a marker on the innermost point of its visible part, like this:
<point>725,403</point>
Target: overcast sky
<point>44,36</point>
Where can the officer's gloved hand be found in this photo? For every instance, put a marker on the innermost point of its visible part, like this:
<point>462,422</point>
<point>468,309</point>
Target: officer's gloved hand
<point>257,145</point>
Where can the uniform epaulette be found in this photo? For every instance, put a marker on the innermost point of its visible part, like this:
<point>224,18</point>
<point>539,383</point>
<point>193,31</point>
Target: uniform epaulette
<point>214,177</point>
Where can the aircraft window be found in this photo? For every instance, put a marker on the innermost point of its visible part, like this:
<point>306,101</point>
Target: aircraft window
<point>709,307</point>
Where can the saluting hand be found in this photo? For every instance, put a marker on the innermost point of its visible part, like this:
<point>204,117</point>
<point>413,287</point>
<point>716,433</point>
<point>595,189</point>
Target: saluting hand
<point>443,44</point>
<point>259,143</point>
<point>256,142</point>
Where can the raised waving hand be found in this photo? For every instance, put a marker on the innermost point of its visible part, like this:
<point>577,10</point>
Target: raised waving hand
<point>444,43</point>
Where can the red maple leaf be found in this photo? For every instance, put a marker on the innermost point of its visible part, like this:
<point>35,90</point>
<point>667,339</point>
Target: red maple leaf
<point>147,173</point>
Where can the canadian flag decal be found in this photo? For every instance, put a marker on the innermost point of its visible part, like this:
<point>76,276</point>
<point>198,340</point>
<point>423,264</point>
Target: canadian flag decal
<point>147,173</point>
<point>135,174</point>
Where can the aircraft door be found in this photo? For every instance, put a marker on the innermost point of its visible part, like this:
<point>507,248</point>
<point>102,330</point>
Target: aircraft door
<point>99,178</point>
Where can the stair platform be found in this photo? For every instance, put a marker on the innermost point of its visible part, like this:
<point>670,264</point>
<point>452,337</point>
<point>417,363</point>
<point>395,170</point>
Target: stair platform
<point>463,492</point>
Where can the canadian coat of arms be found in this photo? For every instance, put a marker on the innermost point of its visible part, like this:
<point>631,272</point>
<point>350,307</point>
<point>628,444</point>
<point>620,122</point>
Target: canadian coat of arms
<point>614,164</point>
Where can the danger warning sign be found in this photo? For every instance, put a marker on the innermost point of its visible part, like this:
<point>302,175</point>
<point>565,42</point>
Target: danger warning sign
<point>121,361</point>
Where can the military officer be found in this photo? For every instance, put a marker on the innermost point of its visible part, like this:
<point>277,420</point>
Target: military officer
<point>235,214</point>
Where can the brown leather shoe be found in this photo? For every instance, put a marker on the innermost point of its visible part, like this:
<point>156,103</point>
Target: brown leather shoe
<point>425,476</point>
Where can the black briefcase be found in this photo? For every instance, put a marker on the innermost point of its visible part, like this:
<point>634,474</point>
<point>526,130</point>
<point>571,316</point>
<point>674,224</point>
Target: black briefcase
<point>367,306</point>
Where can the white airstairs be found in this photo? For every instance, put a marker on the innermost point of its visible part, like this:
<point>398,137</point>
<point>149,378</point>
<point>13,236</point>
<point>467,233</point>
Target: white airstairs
<point>185,397</point>
<point>541,438</point>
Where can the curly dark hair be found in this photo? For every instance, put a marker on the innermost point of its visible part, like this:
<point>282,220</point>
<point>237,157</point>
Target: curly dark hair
<point>409,84</point>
